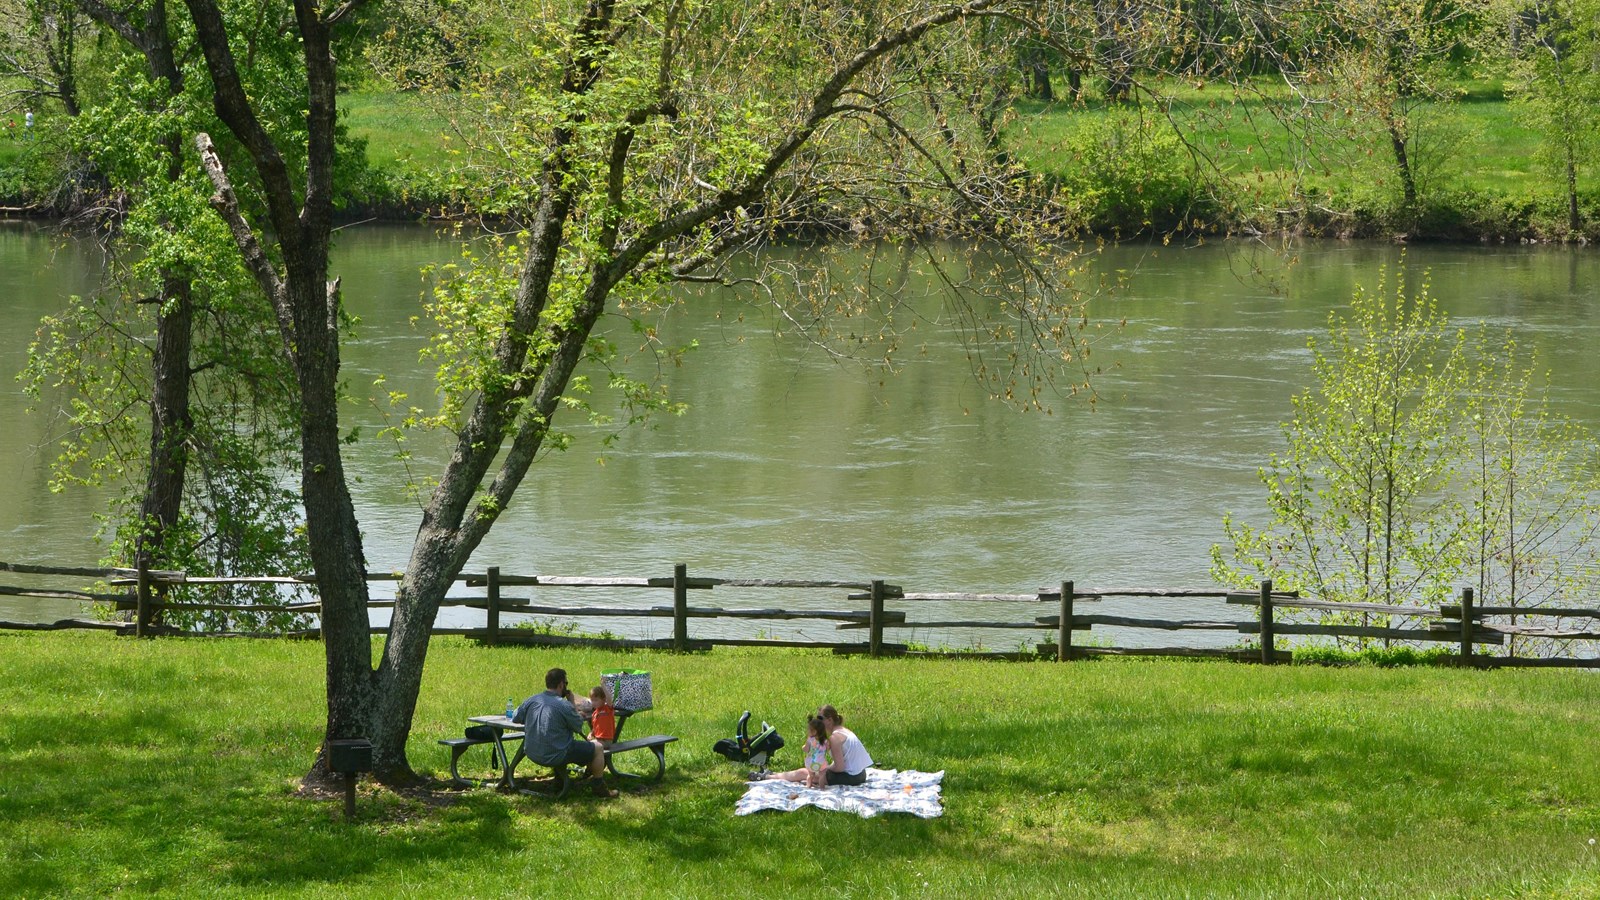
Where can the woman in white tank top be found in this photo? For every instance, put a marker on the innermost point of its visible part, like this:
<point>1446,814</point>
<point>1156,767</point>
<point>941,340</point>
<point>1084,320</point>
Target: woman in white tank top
<point>850,756</point>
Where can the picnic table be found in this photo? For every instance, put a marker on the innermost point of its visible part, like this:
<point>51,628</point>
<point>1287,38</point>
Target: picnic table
<point>504,731</point>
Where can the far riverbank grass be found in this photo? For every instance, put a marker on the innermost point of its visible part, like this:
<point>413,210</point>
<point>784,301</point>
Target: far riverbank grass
<point>1129,179</point>
<point>1241,132</point>
<point>1345,182</point>
<point>169,767</point>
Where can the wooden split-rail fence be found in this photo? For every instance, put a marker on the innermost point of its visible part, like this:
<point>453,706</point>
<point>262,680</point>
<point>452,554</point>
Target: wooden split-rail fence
<point>1465,624</point>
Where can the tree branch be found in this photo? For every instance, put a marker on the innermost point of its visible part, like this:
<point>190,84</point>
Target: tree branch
<point>115,21</point>
<point>226,203</point>
<point>232,104</point>
<point>338,13</point>
<point>822,107</point>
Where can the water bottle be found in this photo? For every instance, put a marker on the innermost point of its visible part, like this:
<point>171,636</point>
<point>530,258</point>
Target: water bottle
<point>511,707</point>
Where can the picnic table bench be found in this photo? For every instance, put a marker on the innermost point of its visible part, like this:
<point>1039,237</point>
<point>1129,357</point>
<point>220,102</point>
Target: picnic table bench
<point>460,745</point>
<point>503,731</point>
<point>655,743</point>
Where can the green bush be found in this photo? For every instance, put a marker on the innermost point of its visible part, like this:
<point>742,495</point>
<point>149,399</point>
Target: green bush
<point>1466,213</point>
<point>1128,172</point>
<point>1382,657</point>
<point>34,172</point>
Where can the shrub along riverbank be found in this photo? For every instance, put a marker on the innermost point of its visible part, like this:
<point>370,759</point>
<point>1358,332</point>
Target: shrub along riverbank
<point>1132,172</point>
<point>1218,161</point>
<point>1218,164</point>
<point>171,766</point>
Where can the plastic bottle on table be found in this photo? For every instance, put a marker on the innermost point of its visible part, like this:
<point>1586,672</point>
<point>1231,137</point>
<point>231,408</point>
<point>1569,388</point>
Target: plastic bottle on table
<point>511,707</point>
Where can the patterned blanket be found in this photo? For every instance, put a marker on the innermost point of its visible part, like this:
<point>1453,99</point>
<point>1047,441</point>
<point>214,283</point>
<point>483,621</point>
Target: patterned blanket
<point>886,790</point>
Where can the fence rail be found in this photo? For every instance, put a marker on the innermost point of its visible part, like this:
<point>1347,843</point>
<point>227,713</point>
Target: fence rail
<point>1463,623</point>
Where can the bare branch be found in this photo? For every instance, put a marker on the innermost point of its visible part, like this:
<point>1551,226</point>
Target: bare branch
<point>226,203</point>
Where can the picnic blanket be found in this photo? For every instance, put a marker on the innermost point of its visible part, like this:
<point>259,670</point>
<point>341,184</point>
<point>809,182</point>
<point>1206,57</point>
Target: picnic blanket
<point>886,790</point>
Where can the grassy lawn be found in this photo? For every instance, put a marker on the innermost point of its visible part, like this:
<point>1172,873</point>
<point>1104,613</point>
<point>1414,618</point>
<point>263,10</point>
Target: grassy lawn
<point>1477,169</point>
<point>18,158</point>
<point>170,767</point>
<point>1242,133</point>
<point>402,131</point>
<point>1348,169</point>
<point>1469,156</point>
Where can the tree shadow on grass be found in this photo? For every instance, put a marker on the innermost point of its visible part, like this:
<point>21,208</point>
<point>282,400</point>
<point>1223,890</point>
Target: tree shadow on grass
<point>316,846</point>
<point>163,800</point>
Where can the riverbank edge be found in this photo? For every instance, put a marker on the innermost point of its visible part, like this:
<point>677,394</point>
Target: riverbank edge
<point>1463,217</point>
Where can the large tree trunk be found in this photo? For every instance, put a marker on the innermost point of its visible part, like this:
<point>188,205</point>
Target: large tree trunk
<point>63,59</point>
<point>306,305</point>
<point>1041,89</point>
<point>169,423</point>
<point>354,705</point>
<point>353,708</point>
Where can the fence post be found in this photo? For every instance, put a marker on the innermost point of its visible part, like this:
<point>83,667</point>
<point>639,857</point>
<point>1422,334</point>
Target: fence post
<point>141,621</point>
<point>680,607</point>
<point>494,605</point>
<point>1267,638</point>
<point>875,620</point>
<point>1064,624</point>
<point>1466,625</point>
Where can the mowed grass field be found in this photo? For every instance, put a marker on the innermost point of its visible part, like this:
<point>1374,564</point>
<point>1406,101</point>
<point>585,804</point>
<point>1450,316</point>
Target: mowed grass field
<point>171,767</point>
<point>1238,131</point>
<point>404,132</point>
<point>1476,139</point>
<point>1196,158</point>
<point>1203,158</point>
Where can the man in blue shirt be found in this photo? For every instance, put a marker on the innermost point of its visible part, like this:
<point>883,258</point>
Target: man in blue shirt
<point>551,723</point>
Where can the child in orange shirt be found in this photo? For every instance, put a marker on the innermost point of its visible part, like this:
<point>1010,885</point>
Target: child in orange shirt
<point>603,721</point>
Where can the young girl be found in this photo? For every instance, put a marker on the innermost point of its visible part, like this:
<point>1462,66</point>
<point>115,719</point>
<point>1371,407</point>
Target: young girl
<point>816,752</point>
<point>849,759</point>
<point>603,720</point>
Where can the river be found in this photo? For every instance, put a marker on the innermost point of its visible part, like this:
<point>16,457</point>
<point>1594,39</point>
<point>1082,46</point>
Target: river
<point>791,464</point>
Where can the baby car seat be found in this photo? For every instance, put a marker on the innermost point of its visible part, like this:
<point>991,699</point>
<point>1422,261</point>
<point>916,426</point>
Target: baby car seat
<point>746,749</point>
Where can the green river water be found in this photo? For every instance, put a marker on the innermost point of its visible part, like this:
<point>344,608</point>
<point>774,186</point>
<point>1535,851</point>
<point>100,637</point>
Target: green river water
<point>789,464</point>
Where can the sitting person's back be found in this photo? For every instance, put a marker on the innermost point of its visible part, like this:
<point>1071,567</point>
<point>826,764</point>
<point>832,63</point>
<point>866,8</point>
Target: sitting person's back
<point>551,721</point>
